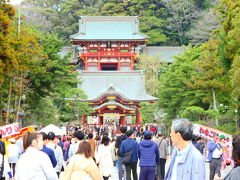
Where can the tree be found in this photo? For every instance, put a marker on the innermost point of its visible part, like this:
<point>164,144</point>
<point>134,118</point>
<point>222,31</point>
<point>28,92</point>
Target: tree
<point>151,67</point>
<point>202,29</point>
<point>183,13</point>
<point>211,74</point>
<point>148,112</point>
<point>175,95</point>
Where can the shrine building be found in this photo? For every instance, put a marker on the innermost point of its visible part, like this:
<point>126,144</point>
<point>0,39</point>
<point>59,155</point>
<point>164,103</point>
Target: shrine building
<point>108,47</point>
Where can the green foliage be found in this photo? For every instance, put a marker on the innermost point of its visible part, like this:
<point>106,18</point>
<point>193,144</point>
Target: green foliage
<point>148,111</point>
<point>193,113</point>
<point>151,66</point>
<point>174,93</point>
<point>165,22</point>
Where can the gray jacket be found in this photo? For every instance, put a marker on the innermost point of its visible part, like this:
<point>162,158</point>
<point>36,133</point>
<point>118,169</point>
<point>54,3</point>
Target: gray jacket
<point>234,174</point>
<point>163,148</point>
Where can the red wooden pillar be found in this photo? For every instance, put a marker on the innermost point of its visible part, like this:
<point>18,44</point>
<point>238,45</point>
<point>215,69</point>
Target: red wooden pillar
<point>123,120</point>
<point>138,117</point>
<point>84,119</point>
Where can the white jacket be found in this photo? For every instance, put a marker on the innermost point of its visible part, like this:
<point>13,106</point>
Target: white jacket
<point>34,165</point>
<point>104,157</point>
<point>73,149</point>
<point>58,154</point>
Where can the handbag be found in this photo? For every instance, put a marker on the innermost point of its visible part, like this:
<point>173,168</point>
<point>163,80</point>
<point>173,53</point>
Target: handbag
<point>127,157</point>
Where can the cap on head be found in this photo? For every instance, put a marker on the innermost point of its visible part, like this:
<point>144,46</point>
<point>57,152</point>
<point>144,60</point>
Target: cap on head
<point>147,134</point>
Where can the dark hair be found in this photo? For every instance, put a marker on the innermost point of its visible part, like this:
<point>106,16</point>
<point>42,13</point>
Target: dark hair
<point>44,136</point>
<point>0,136</point>
<point>2,149</point>
<point>160,135</point>
<point>90,135</point>
<point>51,136</point>
<point>79,135</point>
<point>84,148</point>
<point>129,133</point>
<point>123,129</point>
<point>148,137</point>
<point>105,140</point>
<point>28,138</point>
<point>236,150</point>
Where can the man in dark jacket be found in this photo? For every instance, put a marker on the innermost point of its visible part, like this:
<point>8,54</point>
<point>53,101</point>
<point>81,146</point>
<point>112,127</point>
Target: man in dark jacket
<point>119,141</point>
<point>47,150</point>
<point>131,145</point>
<point>149,157</point>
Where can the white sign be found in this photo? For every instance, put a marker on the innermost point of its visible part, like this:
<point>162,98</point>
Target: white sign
<point>9,130</point>
<point>208,132</point>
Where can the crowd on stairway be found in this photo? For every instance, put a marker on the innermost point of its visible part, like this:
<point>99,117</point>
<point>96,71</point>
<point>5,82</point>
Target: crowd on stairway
<point>91,152</point>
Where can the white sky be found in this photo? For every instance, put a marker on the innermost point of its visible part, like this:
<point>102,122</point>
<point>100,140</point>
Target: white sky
<point>15,1</point>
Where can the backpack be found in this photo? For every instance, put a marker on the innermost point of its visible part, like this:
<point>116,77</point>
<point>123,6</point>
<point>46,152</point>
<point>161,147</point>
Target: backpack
<point>122,138</point>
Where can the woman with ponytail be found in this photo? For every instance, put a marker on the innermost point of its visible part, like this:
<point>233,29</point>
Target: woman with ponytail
<point>34,164</point>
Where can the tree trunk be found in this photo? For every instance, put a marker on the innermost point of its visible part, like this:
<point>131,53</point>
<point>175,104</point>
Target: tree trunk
<point>215,105</point>
<point>9,101</point>
<point>19,100</point>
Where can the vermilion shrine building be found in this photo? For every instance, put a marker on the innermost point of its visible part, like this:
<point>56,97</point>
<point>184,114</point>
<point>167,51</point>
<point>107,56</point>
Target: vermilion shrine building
<point>108,47</point>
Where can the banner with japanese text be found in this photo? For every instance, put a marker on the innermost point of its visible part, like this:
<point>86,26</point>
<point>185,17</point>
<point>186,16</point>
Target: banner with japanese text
<point>9,130</point>
<point>208,132</point>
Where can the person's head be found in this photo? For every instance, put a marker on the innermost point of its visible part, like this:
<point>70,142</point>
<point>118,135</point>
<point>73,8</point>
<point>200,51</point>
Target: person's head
<point>84,148</point>
<point>45,137</point>
<point>147,135</point>
<point>0,136</point>
<point>236,150</point>
<point>78,135</point>
<point>130,134</point>
<point>72,141</point>
<point>97,138</point>
<point>52,137</point>
<point>90,136</point>
<point>12,140</point>
<point>105,140</point>
<point>2,149</point>
<point>181,130</point>
<point>32,139</point>
<point>215,138</point>
<point>123,129</point>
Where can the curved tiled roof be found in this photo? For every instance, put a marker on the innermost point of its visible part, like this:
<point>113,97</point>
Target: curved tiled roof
<point>108,28</point>
<point>130,85</point>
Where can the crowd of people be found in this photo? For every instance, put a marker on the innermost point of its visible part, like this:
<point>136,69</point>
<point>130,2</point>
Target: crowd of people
<point>91,152</point>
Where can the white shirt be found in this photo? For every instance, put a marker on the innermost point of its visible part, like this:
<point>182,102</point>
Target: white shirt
<point>217,152</point>
<point>35,165</point>
<point>73,149</point>
<point>58,154</point>
<point>13,153</point>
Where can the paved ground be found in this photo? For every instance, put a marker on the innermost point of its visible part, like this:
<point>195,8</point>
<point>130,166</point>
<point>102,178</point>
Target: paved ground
<point>224,172</point>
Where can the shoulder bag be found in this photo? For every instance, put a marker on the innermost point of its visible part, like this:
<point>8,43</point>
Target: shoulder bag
<point>127,156</point>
